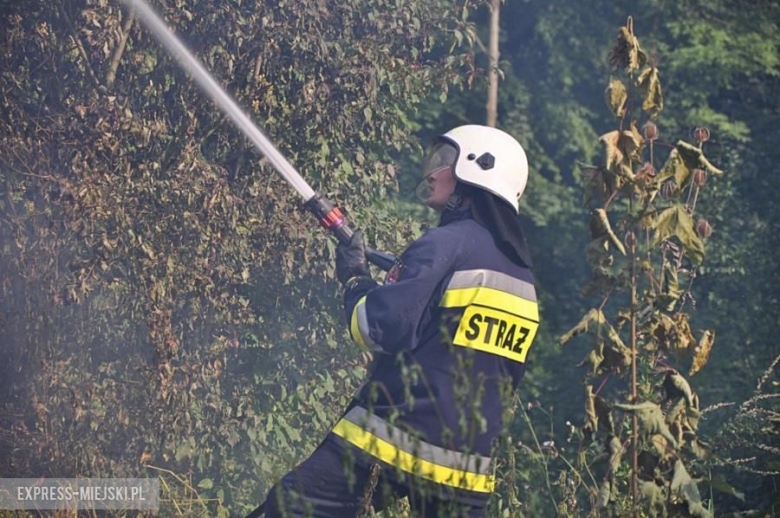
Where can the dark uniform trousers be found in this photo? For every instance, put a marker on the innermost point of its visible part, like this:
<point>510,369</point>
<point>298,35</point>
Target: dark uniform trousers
<point>450,331</point>
<point>339,480</point>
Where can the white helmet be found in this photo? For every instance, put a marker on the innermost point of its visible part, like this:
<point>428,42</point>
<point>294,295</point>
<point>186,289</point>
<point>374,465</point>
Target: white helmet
<point>489,159</point>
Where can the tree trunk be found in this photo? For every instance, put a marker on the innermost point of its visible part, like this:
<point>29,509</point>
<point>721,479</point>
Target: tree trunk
<point>492,101</point>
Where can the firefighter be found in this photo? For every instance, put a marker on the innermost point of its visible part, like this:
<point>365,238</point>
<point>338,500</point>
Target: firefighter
<point>450,331</point>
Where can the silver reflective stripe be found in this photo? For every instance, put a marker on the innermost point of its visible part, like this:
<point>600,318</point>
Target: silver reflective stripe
<point>362,321</point>
<point>417,448</point>
<point>492,279</point>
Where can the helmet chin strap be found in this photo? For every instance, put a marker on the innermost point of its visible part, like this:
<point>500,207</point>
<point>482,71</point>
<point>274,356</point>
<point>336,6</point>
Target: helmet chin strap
<point>457,198</point>
<point>454,202</point>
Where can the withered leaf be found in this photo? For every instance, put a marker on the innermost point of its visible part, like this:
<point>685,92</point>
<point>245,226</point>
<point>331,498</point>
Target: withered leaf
<point>694,158</point>
<point>616,96</point>
<point>701,353</point>
<point>625,52</point>
<point>613,153</point>
<point>676,222</point>
<point>650,87</point>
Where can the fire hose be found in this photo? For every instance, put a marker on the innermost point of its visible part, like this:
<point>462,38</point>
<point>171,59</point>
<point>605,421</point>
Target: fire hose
<point>329,216</point>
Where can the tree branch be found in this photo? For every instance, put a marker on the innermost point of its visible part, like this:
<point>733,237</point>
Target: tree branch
<point>492,101</point>
<point>80,46</point>
<point>120,49</point>
<point>480,44</point>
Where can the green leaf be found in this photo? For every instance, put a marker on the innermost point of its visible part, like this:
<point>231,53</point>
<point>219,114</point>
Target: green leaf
<point>724,487</point>
<point>650,87</point>
<point>604,414</point>
<point>685,488</point>
<point>699,448</point>
<point>206,483</point>
<point>674,167</point>
<point>602,282</point>
<point>658,445</point>
<point>616,96</point>
<point>591,318</point>
<point>591,419</point>
<point>676,222</point>
<point>597,254</point>
<point>671,286</point>
<point>599,181</point>
<point>148,62</point>
<point>605,494</point>
<point>609,353</point>
<point>594,359</point>
<point>651,419</point>
<point>653,497</point>
<point>677,386</point>
<point>600,227</point>
<point>615,450</point>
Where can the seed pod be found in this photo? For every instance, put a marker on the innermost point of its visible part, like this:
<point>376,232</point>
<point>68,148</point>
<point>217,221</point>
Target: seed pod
<point>701,134</point>
<point>703,228</point>
<point>630,239</point>
<point>647,171</point>
<point>650,130</point>
<point>668,189</point>
<point>699,177</point>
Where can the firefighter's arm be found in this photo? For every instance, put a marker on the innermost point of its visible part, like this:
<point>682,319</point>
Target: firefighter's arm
<point>391,317</point>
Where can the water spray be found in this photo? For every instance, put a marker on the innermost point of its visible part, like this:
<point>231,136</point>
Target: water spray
<point>329,216</point>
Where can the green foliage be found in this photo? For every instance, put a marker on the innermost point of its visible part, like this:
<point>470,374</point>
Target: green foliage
<point>71,367</point>
<point>171,302</point>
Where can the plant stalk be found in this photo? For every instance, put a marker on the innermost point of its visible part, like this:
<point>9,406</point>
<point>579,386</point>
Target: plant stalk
<point>634,420</point>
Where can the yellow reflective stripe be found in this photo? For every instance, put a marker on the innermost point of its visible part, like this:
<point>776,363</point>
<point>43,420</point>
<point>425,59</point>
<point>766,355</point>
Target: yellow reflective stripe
<point>421,449</point>
<point>354,326</point>
<point>407,462</point>
<point>493,298</point>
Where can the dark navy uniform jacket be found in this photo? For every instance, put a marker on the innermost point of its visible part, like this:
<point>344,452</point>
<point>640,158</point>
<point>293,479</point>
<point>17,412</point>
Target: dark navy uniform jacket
<point>450,329</point>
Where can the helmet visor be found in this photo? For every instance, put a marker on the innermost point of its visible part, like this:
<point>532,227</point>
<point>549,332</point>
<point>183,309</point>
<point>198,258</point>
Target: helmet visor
<point>441,158</point>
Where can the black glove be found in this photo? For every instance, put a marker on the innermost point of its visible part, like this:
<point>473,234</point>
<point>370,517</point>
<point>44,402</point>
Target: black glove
<point>351,259</point>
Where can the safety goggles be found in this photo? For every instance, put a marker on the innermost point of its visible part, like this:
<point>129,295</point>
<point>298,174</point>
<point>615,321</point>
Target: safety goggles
<point>441,158</point>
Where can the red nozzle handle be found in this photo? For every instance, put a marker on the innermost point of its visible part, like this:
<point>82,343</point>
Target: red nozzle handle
<point>333,219</point>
